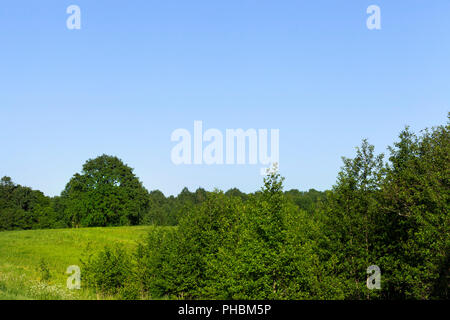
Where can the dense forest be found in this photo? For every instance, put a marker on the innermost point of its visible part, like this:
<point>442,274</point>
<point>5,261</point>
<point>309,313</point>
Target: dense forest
<point>390,212</point>
<point>107,193</point>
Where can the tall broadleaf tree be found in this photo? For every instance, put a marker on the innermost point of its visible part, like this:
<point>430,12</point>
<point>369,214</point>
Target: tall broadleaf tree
<point>106,193</point>
<point>350,220</point>
<point>416,221</point>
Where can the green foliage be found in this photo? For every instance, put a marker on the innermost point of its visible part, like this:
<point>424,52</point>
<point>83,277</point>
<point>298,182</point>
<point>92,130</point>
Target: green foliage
<point>106,193</point>
<point>310,201</point>
<point>277,245</point>
<point>156,264</point>
<point>44,270</point>
<point>110,272</point>
<point>261,250</point>
<point>415,216</point>
<point>24,208</point>
<point>182,256</point>
<point>272,254</point>
<point>169,211</point>
<point>100,198</point>
<point>228,249</point>
<point>395,216</point>
<point>350,215</point>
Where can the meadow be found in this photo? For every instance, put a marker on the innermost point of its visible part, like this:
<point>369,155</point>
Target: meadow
<point>33,263</point>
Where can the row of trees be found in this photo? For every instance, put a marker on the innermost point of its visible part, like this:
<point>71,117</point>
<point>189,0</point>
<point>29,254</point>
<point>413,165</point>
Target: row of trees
<point>392,214</point>
<point>24,208</point>
<point>107,193</point>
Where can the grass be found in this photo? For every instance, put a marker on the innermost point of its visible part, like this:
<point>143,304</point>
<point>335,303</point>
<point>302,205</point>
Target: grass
<point>33,263</point>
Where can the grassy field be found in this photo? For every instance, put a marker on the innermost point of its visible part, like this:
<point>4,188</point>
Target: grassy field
<point>27,258</point>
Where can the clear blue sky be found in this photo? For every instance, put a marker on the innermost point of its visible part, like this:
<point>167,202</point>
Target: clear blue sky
<point>137,70</point>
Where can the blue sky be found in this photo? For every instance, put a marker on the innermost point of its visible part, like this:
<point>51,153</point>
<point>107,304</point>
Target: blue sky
<point>137,70</point>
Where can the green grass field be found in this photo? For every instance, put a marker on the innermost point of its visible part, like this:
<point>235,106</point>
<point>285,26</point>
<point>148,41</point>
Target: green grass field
<point>24,255</point>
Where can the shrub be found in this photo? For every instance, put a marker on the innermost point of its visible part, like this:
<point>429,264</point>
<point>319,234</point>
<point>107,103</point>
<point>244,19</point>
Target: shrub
<point>109,272</point>
<point>44,270</point>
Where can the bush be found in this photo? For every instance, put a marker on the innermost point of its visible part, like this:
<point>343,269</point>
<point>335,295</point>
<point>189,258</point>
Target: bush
<point>110,272</point>
<point>44,270</point>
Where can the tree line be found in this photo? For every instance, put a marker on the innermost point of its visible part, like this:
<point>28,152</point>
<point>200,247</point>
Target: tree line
<point>107,193</point>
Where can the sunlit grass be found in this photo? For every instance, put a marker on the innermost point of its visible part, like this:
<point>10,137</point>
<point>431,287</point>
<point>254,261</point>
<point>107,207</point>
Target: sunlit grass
<point>22,254</point>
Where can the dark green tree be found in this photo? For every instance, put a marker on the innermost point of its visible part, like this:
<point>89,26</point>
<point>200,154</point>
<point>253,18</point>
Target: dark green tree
<point>415,224</point>
<point>271,254</point>
<point>106,193</point>
<point>178,262</point>
<point>24,208</point>
<point>350,220</point>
